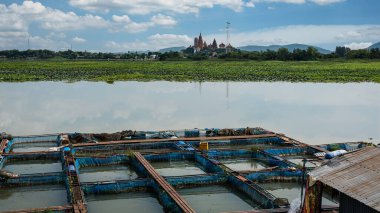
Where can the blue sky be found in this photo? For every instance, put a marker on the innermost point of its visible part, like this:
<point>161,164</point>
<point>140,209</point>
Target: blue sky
<point>129,25</point>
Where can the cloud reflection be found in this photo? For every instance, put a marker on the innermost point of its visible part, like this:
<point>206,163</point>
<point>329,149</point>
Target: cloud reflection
<point>313,113</point>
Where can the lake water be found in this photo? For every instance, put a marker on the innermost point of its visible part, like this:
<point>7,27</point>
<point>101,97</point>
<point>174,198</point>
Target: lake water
<point>314,113</point>
<point>106,173</point>
<point>243,164</point>
<point>210,199</point>
<point>177,168</point>
<point>33,147</point>
<point>124,202</point>
<point>25,197</point>
<point>291,191</point>
<point>33,166</point>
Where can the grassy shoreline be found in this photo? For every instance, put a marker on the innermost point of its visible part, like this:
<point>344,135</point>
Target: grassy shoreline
<point>109,71</point>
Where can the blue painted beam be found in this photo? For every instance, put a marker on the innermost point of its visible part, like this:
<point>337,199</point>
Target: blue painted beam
<point>115,186</point>
<point>93,161</point>
<point>36,179</point>
<point>255,192</point>
<point>197,180</point>
<point>276,174</point>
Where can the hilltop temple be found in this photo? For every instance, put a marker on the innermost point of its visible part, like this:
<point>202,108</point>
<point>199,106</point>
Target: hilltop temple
<point>200,44</point>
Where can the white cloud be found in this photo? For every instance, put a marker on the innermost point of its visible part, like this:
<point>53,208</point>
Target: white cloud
<point>250,4</point>
<point>169,40</point>
<point>319,2</point>
<point>16,19</point>
<point>152,6</point>
<point>21,16</point>
<point>124,23</point>
<point>49,18</point>
<point>143,7</point>
<point>153,43</point>
<point>28,8</point>
<point>136,27</point>
<point>163,20</point>
<point>282,1</point>
<point>137,45</point>
<point>78,40</point>
<point>327,36</point>
<point>121,19</point>
<point>325,2</point>
<point>357,46</point>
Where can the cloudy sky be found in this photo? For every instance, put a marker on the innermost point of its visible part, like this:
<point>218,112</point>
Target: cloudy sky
<point>129,25</point>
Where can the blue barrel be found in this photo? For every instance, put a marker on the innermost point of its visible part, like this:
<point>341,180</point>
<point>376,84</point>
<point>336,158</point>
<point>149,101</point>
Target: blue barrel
<point>71,168</point>
<point>334,154</point>
<point>191,133</point>
<point>139,136</point>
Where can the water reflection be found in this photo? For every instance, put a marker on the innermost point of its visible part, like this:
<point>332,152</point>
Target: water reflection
<point>32,197</point>
<point>313,113</point>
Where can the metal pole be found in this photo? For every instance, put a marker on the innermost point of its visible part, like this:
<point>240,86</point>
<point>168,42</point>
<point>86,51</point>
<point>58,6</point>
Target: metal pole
<point>303,178</point>
<point>228,35</point>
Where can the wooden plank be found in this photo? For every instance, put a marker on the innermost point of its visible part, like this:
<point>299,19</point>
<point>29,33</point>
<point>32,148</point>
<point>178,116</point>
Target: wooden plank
<point>47,209</point>
<point>184,206</point>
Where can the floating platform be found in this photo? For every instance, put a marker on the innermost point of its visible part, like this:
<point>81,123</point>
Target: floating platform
<point>176,171</point>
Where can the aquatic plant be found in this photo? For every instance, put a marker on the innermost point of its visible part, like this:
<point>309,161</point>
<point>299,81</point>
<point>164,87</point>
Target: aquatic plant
<point>110,71</point>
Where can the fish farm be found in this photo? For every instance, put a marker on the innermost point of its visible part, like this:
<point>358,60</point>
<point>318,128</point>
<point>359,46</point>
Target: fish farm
<point>192,170</point>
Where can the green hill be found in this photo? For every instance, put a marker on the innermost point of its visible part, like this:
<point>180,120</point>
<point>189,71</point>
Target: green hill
<point>373,46</point>
<point>290,47</point>
<point>171,49</point>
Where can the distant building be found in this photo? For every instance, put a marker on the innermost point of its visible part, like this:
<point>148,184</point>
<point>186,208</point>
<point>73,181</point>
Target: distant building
<point>200,44</point>
<point>196,42</point>
<point>214,45</point>
<point>200,41</point>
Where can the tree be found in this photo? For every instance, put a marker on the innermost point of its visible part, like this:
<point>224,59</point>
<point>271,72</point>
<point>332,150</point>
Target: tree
<point>283,54</point>
<point>270,55</point>
<point>312,53</point>
<point>341,51</point>
<point>374,53</point>
<point>359,54</point>
<point>299,55</point>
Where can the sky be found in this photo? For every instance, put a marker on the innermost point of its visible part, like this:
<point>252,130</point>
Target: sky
<point>140,25</point>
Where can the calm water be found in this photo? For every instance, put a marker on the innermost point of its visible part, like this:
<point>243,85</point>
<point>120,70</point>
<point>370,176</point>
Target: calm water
<point>177,168</point>
<point>33,147</point>
<point>243,164</point>
<point>25,197</point>
<point>212,199</point>
<point>291,191</point>
<point>125,202</point>
<point>311,112</point>
<point>33,166</point>
<point>298,160</point>
<point>106,173</point>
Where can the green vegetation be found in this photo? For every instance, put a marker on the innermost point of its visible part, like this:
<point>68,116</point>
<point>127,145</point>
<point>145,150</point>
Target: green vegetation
<point>282,54</point>
<point>210,70</point>
<point>334,147</point>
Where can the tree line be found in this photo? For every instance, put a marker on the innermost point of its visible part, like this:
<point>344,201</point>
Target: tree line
<point>310,54</point>
<point>69,54</point>
<point>282,54</point>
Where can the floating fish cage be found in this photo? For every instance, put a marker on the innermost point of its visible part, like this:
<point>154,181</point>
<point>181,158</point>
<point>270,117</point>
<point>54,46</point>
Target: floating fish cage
<point>193,170</point>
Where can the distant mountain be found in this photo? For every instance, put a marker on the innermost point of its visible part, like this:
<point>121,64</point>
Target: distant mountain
<point>290,47</point>
<point>373,46</point>
<point>172,49</point>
